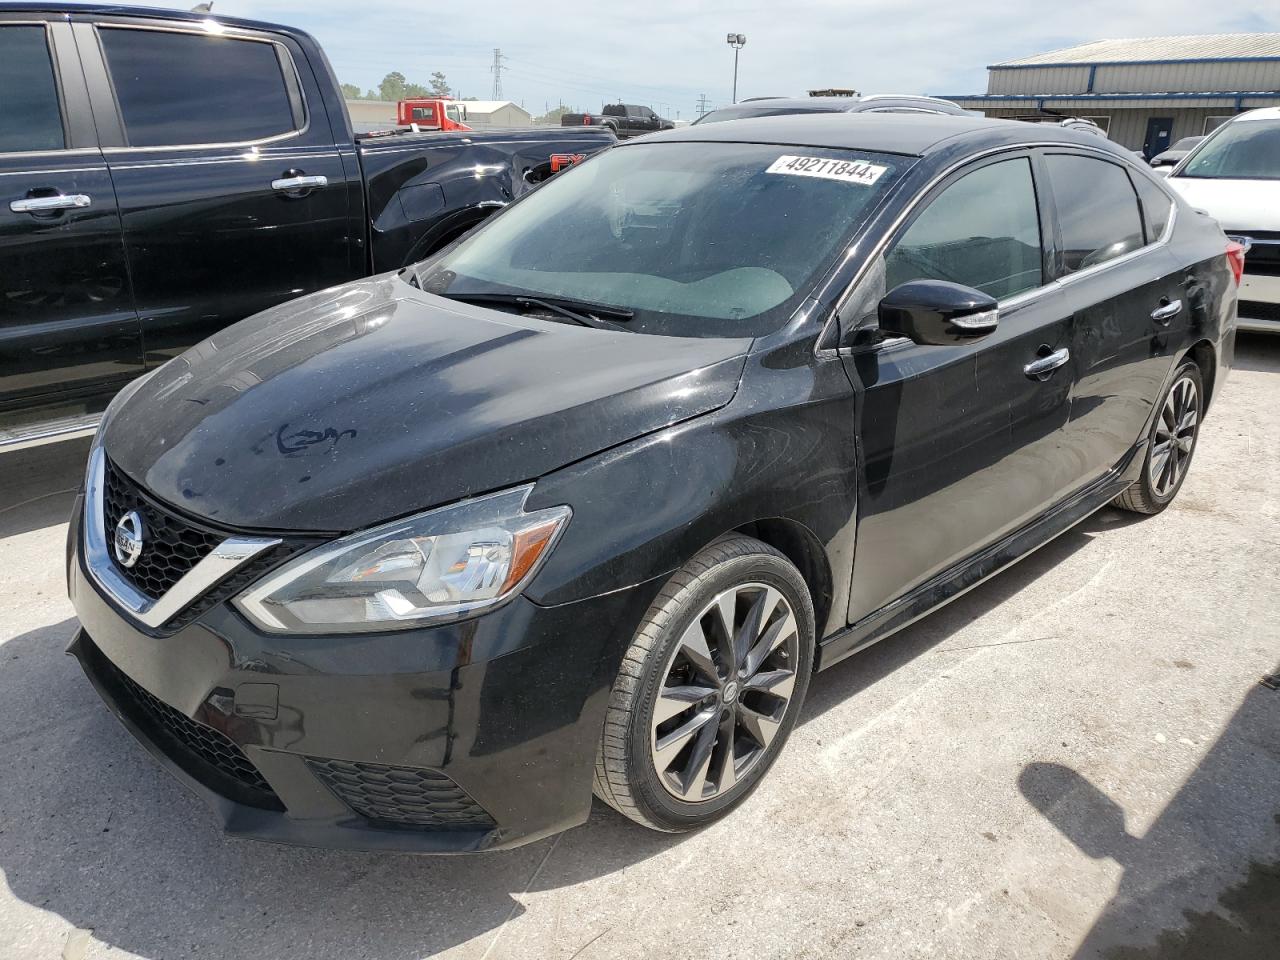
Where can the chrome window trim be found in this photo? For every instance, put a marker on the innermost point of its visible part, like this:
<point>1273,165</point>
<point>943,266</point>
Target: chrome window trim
<point>42,171</point>
<point>1014,301</point>
<point>226,33</point>
<point>231,554</point>
<point>321,154</point>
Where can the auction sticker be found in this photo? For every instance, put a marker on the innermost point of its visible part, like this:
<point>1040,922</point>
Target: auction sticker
<point>848,171</point>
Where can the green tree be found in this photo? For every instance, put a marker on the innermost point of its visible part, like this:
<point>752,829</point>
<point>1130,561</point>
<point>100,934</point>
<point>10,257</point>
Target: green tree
<point>413,91</point>
<point>392,86</point>
<point>350,91</point>
<point>440,86</point>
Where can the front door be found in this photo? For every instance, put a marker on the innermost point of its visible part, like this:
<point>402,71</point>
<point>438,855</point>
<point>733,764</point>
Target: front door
<point>959,444</point>
<point>1159,136</point>
<point>68,330</point>
<point>233,194</point>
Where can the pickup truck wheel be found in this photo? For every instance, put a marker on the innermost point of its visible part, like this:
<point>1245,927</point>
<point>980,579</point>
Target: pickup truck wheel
<point>709,689</point>
<point>1170,445</point>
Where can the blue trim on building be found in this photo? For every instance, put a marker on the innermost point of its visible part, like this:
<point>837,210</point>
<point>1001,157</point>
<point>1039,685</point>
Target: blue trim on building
<point>1093,73</point>
<point>1025,97</point>
<point>1131,63</point>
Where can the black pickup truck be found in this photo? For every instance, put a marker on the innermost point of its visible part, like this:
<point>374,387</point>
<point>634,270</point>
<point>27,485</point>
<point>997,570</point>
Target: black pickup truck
<point>164,174</point>
<point>626,120</point>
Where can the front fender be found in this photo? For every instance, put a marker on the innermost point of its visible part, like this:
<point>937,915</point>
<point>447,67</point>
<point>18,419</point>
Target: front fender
<point>642,509</point>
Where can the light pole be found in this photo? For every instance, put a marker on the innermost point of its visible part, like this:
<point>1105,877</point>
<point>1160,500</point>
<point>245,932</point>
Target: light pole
<point>737,41</point>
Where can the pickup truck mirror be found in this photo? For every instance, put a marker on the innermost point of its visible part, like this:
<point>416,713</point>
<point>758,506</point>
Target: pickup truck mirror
<point>938,313</point>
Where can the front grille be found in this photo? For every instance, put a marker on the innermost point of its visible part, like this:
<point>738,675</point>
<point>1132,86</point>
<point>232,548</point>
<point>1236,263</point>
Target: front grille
<point>186,740</point>
<point>1264,258</point>
<point>1258,310</point>
<point>172,545</point>
<point>401,796</point>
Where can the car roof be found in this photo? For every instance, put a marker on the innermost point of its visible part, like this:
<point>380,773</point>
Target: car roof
<point>151,13</point>
<point>1262,113</point>
<point>912,134</point>
<point>878,101</point>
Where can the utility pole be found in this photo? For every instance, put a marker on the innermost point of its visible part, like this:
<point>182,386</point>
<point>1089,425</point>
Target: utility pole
<point>702,104</point>
<point>496,70</point>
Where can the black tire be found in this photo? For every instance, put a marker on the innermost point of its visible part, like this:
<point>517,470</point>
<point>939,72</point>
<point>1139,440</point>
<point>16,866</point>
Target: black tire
<point>745,570</point>
<point>1155,488</point>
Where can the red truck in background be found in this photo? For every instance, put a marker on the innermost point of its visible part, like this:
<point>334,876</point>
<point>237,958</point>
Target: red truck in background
<point>432,113</point>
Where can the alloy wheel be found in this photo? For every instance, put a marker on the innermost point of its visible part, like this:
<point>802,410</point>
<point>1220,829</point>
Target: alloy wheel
<point>1175,437</point>
<point>725,692</point>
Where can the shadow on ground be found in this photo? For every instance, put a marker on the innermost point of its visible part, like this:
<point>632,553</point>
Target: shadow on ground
<point>1192,887</point>
<point>37,486</point>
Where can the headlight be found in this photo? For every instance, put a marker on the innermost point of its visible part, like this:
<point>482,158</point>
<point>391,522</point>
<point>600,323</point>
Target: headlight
<point>446,564</point>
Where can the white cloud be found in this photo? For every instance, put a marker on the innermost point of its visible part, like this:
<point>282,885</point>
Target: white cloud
<point>667,53</point>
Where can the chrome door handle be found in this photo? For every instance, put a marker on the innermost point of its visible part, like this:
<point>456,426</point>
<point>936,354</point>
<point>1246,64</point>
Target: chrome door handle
<point>67,201</point>
<point>290,184</point>
<point>1165,313</point>
<point>1047,364</point>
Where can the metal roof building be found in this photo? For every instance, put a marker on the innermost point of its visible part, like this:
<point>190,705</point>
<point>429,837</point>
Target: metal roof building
<point>1146,93</point>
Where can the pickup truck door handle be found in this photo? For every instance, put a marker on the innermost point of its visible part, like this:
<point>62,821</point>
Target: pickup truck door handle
<point>1166,311</point>
<point>299,182</point>
<point>1045,365</point>
<point>67,201</point>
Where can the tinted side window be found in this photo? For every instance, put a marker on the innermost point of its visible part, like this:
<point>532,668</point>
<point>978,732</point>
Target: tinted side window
<point>982,231</point>
<point>1156,208</point>
<point>179,88</point>
<point>1097,209</point>
<point>29,114</point>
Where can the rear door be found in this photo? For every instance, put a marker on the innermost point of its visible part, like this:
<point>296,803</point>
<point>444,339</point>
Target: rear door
<point>232,191</point>
<point>67,325</point>
<point>959,444</point>
<point>1123,289</point>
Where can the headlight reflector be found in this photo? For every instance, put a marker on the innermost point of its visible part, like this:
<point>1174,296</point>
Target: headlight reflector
<point>442,565</point>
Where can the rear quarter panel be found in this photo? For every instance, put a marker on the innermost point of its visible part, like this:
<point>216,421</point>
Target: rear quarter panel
<point>1209,291</point>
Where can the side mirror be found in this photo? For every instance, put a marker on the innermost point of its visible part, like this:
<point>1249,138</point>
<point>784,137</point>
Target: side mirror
<point>938,313</point>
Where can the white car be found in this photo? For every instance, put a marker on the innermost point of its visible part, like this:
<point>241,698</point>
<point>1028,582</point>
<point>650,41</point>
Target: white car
<point>1234,176</point>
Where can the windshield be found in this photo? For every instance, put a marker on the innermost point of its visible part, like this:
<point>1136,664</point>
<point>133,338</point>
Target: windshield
<point>1241,150</point>
<point>757,110</point>
<point>695,239</point>
<point>1186,143</point>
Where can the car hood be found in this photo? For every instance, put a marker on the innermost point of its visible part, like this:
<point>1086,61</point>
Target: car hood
<point>1239,205</point>
<point>375,400</point>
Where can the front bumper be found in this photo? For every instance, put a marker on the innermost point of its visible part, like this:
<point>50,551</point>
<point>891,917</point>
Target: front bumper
<point>461,737</point>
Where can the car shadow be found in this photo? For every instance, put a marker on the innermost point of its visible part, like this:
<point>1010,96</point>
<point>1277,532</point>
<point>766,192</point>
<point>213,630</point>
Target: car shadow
<point>1257,351</point>
<point>1203,882</point>
<point>37,486</point>
<point>848,678</point>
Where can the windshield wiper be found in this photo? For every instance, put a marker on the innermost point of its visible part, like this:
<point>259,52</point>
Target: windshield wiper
<point>588,314</point>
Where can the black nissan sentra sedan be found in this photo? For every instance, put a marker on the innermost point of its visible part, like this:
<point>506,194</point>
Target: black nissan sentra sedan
<point>579,504</point>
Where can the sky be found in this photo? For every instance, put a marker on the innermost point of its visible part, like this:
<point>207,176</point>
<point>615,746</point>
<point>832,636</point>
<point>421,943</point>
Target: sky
<point>667,53</point>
